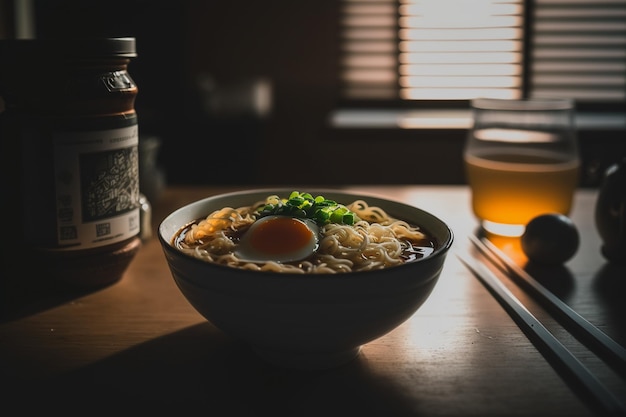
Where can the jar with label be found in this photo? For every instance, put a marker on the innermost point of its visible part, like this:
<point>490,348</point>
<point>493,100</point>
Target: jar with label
<point>70,174</point>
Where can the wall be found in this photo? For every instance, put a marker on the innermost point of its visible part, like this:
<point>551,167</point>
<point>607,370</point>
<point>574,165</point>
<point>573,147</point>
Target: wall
<point>292,46</point>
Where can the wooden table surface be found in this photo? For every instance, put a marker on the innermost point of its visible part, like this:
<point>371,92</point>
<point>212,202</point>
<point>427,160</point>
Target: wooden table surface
<point>138,347</point>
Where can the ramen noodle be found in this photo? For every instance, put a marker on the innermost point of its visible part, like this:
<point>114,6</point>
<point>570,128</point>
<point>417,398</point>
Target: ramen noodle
<point>375,240</point>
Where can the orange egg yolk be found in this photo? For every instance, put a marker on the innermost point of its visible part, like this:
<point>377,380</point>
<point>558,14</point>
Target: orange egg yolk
<point>280,235</point>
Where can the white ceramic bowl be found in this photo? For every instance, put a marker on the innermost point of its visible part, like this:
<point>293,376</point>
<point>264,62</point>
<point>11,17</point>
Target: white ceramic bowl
<point>307,321</point>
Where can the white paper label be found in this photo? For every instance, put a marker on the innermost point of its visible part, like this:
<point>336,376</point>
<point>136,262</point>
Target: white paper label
<point>97,187</point>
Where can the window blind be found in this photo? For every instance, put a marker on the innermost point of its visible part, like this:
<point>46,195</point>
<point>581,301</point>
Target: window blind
<point>460,49</point>
<point>369,49</point>
<point>579,50</point>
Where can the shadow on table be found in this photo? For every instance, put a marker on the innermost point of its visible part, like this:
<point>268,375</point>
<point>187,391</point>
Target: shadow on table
<point>610,285</point>
<point>201,369</point>
<point>558,279</point>
<point>25,295</point>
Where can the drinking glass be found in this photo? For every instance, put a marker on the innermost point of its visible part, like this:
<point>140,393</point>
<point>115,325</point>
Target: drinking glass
<point>521,160</point>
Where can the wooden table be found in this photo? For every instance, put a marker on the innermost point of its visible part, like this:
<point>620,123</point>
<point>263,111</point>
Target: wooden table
<point>137,346</point>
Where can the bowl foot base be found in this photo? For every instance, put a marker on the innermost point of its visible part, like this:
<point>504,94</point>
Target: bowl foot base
<point>306,360</point>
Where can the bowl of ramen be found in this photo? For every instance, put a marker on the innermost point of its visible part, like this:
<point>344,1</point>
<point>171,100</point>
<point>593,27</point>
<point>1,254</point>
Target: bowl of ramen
<point>305,279</point>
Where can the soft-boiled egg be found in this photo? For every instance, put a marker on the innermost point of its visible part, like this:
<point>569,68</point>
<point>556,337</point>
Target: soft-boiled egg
<point>279,239</point>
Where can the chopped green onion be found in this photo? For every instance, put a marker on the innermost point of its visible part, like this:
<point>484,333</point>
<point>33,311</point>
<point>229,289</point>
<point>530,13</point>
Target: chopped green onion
<point>303,205</point>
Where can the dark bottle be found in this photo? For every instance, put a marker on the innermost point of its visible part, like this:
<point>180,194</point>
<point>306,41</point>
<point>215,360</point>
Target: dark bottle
<point>70,174</point>
<point>610,213</point>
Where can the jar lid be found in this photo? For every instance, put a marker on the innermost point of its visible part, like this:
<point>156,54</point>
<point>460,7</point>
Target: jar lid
<point>100,47</point>
<point>124,47</point>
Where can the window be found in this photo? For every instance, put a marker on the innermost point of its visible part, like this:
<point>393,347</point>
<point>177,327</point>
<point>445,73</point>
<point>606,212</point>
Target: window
<point>396,51</point>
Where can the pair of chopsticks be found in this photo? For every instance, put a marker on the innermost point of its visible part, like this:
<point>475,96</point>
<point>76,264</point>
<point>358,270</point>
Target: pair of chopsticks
<point>587,333</point>
<point>596,340</point>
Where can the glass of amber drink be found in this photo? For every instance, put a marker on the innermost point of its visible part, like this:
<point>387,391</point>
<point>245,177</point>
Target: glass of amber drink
<point>521,160</point>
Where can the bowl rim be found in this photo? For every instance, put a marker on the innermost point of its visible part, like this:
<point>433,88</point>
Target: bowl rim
<point>439,252</point>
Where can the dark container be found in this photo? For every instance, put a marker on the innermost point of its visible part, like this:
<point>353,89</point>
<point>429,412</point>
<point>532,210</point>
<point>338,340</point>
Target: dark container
<point>70,169</point>
<point>610,213</point>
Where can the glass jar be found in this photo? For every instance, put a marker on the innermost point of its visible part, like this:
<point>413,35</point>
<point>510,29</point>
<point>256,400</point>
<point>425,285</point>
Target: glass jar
<point>69,136</point>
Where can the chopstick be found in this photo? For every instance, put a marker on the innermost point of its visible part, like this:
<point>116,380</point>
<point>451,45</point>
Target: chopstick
<point>594,338</point>
<point>549,345</point>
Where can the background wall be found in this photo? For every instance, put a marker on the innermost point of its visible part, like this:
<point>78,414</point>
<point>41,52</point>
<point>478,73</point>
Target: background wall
<point>203,65</point>
<point>193,54</point>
